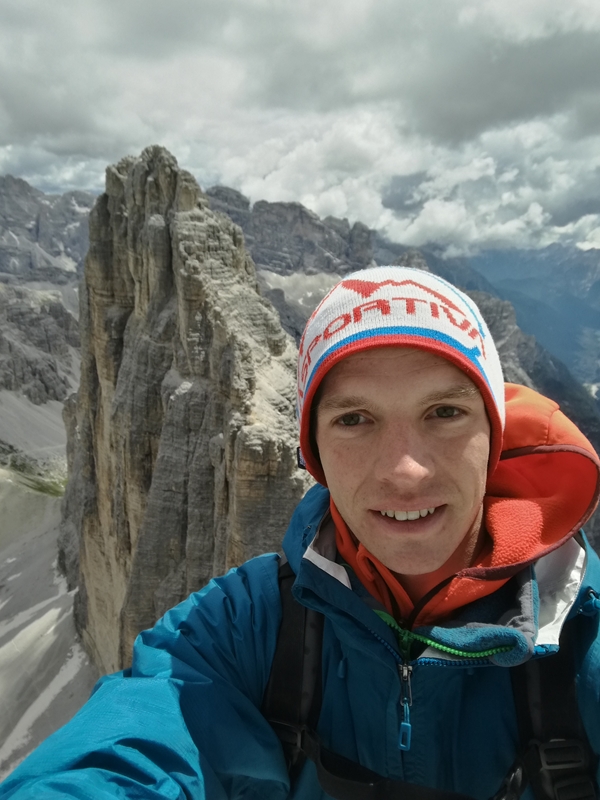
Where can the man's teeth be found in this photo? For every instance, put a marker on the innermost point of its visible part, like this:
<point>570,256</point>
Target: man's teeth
<point>404,515</point>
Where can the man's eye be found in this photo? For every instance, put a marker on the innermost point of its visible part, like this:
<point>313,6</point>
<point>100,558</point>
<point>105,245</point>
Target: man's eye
<point>447,411</point>
<point>349,420</point>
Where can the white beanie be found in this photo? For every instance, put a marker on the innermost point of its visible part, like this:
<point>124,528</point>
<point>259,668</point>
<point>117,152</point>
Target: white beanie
<point>395,307</point>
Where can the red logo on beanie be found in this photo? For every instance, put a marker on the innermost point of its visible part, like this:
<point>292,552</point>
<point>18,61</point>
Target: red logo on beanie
<point>438,309</point>
<point>367,288</point>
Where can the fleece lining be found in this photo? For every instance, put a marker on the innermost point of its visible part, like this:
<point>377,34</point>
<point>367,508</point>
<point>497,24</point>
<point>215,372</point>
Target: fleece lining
<point>543,490</point>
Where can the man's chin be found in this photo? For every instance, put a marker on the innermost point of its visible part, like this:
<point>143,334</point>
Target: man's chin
<point>413,564</point>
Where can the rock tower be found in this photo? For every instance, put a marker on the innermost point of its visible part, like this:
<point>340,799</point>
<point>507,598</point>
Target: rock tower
<point>182,439</point>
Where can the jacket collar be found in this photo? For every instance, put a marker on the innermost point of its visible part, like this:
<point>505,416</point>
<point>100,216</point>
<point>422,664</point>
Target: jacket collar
<point>523,618</point>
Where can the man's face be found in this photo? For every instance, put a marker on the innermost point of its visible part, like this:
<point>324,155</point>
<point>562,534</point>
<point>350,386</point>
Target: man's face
<point>403,430</point>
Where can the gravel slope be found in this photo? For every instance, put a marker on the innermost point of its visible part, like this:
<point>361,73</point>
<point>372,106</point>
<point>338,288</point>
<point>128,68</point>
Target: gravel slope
<point>44,674</point>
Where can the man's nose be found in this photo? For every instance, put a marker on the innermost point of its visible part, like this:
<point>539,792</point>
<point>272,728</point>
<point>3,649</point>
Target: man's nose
<point>404,458</point>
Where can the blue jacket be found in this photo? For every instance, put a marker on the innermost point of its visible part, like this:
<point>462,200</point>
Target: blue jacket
<point>185,721</point>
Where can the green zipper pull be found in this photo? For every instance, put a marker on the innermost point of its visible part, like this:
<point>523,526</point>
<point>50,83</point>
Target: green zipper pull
<point>405,733</point>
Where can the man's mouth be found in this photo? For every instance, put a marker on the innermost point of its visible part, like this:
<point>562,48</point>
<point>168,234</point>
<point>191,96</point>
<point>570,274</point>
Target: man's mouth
<point>402,515</point>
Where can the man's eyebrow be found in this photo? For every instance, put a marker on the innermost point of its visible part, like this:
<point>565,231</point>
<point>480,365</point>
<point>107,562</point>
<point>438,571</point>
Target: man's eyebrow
<point>341,402</point>
<point>461,391</point>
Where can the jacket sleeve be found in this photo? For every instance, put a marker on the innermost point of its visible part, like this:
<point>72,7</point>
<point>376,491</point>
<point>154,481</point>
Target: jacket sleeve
<point>184,721</point>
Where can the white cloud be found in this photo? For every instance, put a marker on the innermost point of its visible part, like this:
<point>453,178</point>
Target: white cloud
<point>465,122</point>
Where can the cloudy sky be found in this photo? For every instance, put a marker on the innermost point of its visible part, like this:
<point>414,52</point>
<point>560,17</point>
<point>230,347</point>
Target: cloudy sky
<point>469,123</point>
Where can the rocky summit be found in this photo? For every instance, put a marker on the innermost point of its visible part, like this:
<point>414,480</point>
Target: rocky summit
<point>182,440</point>
<point>288,237</point>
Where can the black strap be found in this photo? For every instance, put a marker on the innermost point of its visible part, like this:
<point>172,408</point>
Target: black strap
<point>292,699</point>
<point>344,779</point>
<point>556,758</point>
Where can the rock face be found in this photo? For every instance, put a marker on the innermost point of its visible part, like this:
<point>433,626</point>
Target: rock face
<point>287,237</point>
<point>182,439</point>
<point>42,237</point>
<point>38,337</point>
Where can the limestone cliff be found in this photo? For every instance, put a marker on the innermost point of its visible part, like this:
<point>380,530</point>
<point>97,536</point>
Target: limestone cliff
<point>182,439</point>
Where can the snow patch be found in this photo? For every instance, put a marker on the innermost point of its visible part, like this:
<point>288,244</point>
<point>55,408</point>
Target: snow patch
<point>44,675</point>
<point>23,617</point>
<point>305,291</point>
<point>183,388</point>
<point>66,263</point>
<point>68,293</point>
<point>30,641</point>
<point>80,209</point>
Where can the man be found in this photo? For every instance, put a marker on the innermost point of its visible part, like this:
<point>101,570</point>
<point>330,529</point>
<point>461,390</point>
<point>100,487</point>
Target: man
<point>444,551</point>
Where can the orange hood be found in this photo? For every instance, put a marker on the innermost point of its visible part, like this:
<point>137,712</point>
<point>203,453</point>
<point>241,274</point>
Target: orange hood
<point>543,490</point>
<point>545,486</point>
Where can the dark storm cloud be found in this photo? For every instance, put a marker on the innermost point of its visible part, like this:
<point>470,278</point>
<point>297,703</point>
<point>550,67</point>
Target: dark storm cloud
<point>50,92</point>
<point>452,84</point>
<point>491,85</point>
<point>154,29</point>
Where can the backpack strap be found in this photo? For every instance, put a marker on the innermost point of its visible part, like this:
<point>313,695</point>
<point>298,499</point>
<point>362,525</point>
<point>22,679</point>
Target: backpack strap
<point>556,758</point>
<point>292,700</point>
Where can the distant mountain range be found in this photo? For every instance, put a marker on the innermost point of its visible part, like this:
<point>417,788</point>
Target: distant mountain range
<point>555,292</point>
<point>43,241</point>
<point>556,295</point>
<point>42,237</point>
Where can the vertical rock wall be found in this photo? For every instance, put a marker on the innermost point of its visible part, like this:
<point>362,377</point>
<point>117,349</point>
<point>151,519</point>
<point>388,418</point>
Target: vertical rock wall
<point>182,450</point>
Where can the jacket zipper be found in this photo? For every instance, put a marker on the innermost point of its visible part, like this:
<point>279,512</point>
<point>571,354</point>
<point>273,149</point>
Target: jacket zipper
<point>405,670</point>
<point>405,635</point>
<point>405,733</point>
<point>405,673</point>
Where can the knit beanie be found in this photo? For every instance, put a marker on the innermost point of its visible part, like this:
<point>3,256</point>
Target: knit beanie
<point>395,307</point>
